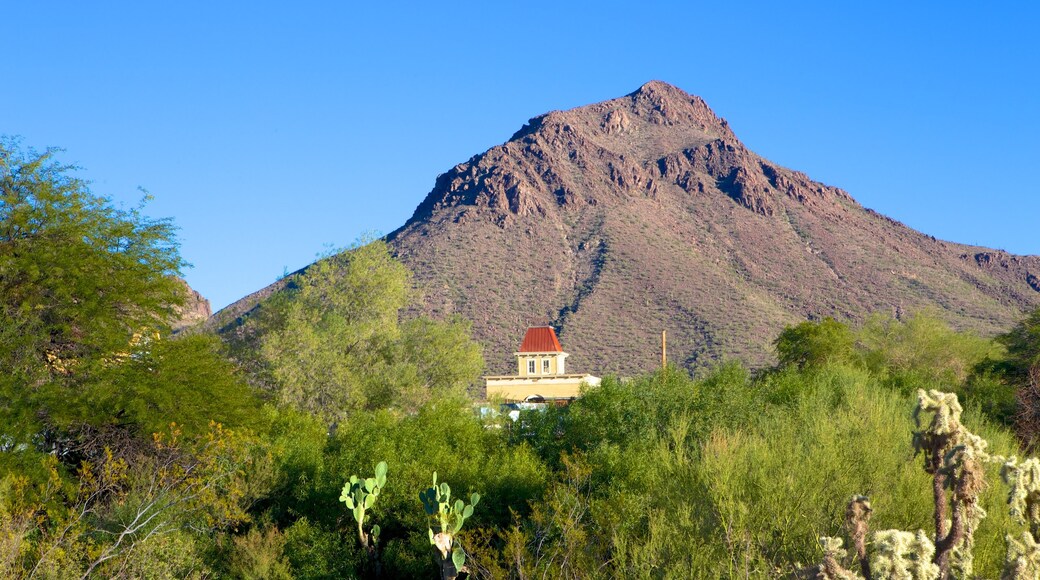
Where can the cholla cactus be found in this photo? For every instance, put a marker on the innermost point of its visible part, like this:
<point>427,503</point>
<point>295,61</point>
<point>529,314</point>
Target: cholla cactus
<point>857,514</point>
<point>447,518</point>
<point>1023,558</point>
<point>833,554</point>
<point>1023,479</point>
<point>903,555</point>
<point>857,518</point>
<point>954,457</point>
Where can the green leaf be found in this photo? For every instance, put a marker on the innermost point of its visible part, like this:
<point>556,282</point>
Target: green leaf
<point>381,469</point>
<point>474,499</point>
<point>466,513</point>
<point>369,501</point>
<point>432,542</point>
<point>458,557</point>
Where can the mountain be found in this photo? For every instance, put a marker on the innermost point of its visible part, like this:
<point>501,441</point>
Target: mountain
<point>617,220</point>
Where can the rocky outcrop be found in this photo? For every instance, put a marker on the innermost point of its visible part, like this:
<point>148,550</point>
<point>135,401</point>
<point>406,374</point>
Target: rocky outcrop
<point>195,310</point>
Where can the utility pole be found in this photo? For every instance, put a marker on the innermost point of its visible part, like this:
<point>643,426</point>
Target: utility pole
<point>664,349</point>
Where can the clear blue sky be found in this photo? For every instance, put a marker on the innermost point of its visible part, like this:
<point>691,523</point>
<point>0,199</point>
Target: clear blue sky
<point>270,129</point>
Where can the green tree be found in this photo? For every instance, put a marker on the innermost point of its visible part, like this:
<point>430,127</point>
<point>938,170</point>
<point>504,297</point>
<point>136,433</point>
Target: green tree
<point>325,329</point>
<point>334,344</point>
<point>1020,370</point>
<point>79,279</point>
<point>814,343</point>
<point>921,350</point>
<point>1023,348</point>
<point>188,380</point>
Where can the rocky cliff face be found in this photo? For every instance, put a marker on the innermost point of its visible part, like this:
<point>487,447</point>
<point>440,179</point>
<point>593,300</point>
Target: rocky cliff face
<point>196,309</point>
<point>617,220</point>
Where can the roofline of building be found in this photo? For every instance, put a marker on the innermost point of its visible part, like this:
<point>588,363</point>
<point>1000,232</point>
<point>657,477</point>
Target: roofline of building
<point>537,377</point>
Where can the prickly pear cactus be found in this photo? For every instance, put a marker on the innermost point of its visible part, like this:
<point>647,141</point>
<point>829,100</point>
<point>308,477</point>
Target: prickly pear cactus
<point>360,495</point>
<point>447,518</point>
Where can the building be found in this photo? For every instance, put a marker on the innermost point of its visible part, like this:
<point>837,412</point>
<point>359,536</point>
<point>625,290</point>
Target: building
<point>541,371</point>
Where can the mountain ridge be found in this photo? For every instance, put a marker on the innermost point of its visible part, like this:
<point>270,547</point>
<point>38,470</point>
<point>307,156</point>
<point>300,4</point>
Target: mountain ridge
<point>616,220</point>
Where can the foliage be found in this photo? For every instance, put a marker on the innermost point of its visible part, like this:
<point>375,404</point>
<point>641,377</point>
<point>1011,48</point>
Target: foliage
<point>814,343</point>
<point>444,432</point>
<point>259,554</point>
<point>188,379</point>
<point>101,521</point>
<point>1019,370</point>
<point>918,351</point>
<point>1023,346</point>
<point>79,280</point>
<point>334,345</point>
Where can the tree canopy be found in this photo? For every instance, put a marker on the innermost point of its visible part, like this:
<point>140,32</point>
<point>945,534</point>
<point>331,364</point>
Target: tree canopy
<point>334,342</point>
<point>79,279</point>
<point>87,293</point>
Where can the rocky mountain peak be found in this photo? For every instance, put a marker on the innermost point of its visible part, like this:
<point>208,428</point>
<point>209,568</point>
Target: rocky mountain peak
<point>662,103</point>
<point>658,140</point>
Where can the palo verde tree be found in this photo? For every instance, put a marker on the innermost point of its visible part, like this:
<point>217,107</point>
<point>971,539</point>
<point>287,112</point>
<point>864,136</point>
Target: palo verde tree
<point>814,343</point>
<point>334,342</point>
<point>79,279</point>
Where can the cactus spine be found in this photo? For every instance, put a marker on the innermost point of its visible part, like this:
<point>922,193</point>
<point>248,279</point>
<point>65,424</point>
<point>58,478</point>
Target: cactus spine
<point>446,522</point>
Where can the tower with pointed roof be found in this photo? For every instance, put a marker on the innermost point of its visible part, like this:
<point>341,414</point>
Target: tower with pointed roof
<point>541,371</point>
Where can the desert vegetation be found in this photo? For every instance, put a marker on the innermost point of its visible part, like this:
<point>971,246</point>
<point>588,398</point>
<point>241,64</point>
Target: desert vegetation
<point>332,436</point>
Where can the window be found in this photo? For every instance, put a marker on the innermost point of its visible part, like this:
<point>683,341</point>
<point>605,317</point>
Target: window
<point>530,367</point>
<point>545,366</point>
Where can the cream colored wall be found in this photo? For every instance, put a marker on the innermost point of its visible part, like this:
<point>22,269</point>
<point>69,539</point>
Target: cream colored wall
<point>556,365</point>
<point>519,389</point>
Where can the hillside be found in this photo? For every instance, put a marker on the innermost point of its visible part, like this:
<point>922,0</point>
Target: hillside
<point>617,220</point>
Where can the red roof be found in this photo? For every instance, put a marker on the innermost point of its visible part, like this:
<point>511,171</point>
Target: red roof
<point>540,339</point>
